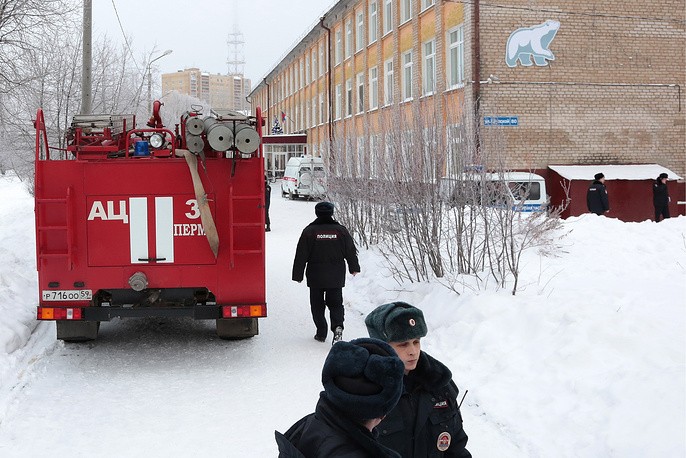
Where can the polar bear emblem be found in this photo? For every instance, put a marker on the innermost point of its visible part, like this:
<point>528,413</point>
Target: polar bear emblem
<point>529,42</point>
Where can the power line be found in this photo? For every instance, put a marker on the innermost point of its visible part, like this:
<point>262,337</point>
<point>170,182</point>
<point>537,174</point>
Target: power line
<point>121,27</point>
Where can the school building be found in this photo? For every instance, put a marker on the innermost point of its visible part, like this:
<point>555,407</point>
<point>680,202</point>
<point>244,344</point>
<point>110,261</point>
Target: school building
<point>561,82</point>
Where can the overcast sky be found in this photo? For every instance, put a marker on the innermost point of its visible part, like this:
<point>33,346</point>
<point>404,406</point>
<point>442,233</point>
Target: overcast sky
<point>197,32</point>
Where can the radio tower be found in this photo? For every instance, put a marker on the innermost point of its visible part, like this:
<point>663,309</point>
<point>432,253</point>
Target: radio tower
<point>235,61</point>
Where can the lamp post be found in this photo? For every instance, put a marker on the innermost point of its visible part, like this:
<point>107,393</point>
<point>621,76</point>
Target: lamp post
<point>166,53</point>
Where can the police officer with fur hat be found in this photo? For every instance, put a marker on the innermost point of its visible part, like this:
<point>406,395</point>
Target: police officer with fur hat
<point>661,197</point>
<point>324,247</point>
<point>362,382</point>
<point>427,420</point>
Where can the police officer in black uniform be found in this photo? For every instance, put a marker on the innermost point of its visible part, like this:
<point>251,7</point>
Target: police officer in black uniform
<point>596,196</point>
<point>324,247</point>
<point>661,197</point>
<point>427,420</point>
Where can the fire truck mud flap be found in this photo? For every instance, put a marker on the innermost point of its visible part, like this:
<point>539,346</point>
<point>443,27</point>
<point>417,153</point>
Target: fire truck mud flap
<point>77,331</point>
<point>237,328</point>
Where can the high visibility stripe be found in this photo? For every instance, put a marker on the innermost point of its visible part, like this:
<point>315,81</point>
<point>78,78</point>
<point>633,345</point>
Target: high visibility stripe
<point>138,229</point>
<point>164,228</point>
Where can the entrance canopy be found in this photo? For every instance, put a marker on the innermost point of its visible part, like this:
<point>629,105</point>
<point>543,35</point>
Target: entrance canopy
<point>613,172</point>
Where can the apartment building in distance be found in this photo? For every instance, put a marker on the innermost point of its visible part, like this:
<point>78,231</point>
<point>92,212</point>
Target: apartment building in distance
<point>220,91</point>
<point>562,82</point>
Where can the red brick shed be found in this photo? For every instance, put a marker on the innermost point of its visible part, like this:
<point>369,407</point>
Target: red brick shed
<point>629,188</point>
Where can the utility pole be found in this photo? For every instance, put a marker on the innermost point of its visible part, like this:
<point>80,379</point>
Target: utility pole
<point>86,83</point>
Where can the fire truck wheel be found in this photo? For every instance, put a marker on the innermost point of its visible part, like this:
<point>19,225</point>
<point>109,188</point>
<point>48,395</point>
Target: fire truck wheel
<point>237,328</point>
<point>77,331</point>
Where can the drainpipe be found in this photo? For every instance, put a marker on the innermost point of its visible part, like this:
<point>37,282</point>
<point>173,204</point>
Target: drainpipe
<point>330,78</point>
<point>476,75</point>
<point>269,103</point>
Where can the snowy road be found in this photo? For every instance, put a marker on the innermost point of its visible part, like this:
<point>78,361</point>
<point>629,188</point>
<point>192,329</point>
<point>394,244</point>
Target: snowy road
<point>170,387</point>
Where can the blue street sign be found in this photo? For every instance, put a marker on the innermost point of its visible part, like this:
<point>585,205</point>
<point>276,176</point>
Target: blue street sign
<point>501,121</point>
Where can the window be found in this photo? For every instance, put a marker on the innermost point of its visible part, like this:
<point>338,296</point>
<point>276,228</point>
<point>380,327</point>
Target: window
<point>339,47</point>
<point>339,101</point>
<point>388,82</point>
<point>359,36</point>
<point>315,68</point>
<point>301,74</point>
<point>456,57</point>
<point>373,21</point>
<point>348,38</point>
<point>387,16</point>
<point>427,3</point>
<point>407,76</point>
<point>405,10</point>
<point>307,114</point>
<point>429,77</point>
<point>373,88</point>
<point>307,69</point>
<point>321,108</point>
<point>360,92</point>
<point>349,97</point>
<point>322,60</point>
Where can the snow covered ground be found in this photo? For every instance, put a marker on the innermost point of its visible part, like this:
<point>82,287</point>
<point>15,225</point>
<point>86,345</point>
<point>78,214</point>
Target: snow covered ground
<point>587,360</point>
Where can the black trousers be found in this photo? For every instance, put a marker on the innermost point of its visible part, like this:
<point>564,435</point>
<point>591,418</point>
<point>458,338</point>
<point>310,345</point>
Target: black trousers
<point>661,210</point>
<point>320,299</point>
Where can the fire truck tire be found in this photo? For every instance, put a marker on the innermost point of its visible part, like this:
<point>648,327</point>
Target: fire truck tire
<point>77,331</point>
<point>237,328</point>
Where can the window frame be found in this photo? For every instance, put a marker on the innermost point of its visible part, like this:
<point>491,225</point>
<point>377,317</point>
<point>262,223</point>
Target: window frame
<point>359,35</point>
<point>360,92</point>
<point>373,88</point>
<point>458,45</point>
<point>373,21</point>
<point>406,75</point>
<point>429,67</point>
<point>389,74</point>
<point>387,17</point>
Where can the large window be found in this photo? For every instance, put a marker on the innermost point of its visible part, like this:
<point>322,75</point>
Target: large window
<point>373,21</point>
<point>407,75</point>
<point>373,88</point>
<point>322,60</point>
<point>339,46</point>
<point>339,101</point>
<point>348,38</point>
<point>427,3</point>
<point>456,57</point>
<point>360,92</point>
<point>405,10</point>
<point>359,35</point>
<point>387,16</point>
<point>307,69</point>
<point>322,115</point>
<point>388,82</point>
<point>349,97</point>
<point>315,68</point>
<point>429,69</point>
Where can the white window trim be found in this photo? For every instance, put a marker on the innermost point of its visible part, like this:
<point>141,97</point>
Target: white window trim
<point>373,22</point>
<point>348,40</point>
<point>360,100</point>
<point>359,34</point>
<point>373,82</point>
<point>424,8</point>
<point>404,73</point>
<point>405,20</point>
<point>386,100</point>
<point>339,102</point>
<point>426,92</point>
<point>390,18</point>
<point>338,51</point>
<point>449,47</point>
<point>349,98</point>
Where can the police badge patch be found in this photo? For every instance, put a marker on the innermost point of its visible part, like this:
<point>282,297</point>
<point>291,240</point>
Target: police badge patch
<point>443,442</point>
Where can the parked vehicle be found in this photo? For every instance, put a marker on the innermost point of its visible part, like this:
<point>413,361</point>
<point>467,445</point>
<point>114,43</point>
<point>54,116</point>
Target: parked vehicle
<point>523,191</point>
<point>123,229</point>
<point>304,177</point>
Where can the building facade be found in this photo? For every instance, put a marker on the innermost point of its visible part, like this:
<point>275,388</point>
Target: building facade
<point>220,91</point>
<point>551,82</point>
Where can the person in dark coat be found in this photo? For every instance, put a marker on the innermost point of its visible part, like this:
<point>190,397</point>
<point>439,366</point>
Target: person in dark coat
<point>267,201</point>
<point>362,382</point>
<point>596,197</point>
<point>324,247</point>
<point>661,197</point>
<point>427,421</point>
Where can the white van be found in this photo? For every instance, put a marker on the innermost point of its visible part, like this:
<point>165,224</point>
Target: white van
<point>304,177</point>
<point>512,185</point>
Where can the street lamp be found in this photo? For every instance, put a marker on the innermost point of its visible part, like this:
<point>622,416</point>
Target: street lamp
<point>166,53</point>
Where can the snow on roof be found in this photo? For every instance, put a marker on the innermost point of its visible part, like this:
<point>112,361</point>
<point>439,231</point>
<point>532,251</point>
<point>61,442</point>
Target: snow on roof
<point>613,172</point>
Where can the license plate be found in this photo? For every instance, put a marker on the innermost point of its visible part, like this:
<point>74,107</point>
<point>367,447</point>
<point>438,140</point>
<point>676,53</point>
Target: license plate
<point>67,295</point>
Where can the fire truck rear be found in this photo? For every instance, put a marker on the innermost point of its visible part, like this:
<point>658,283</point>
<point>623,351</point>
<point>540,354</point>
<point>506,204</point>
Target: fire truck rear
<point>151,222</point>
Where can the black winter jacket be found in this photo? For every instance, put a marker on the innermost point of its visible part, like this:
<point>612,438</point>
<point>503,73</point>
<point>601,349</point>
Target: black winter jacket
<point>427,420</point>
<point>596,198</point>
<point>329,433</point>
<point>324,246</point>
<point>660,194</point>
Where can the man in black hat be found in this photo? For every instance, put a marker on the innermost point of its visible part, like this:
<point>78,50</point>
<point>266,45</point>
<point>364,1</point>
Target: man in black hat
<point>427,421</point>
<point>596,196</point>
<point>362,382</point>
<point>661,197</point>
<point>324,247</point>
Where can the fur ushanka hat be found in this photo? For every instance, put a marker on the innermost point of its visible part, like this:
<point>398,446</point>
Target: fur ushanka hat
<point>363,378</point>
<point>323,209</point>
<point>396,322</point>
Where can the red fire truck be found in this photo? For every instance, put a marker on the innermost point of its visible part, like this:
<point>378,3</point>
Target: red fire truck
<point>151,222</point>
